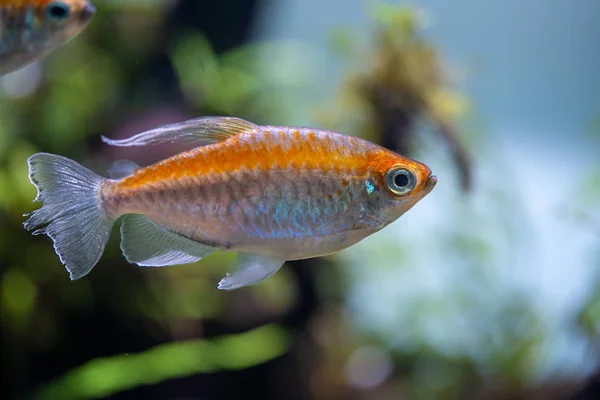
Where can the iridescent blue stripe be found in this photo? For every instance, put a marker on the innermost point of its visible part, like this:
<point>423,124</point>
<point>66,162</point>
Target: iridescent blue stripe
<point>28,22</point>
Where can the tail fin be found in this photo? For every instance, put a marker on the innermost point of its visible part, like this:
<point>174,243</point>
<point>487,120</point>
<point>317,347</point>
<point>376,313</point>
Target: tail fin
<point>77,223</point>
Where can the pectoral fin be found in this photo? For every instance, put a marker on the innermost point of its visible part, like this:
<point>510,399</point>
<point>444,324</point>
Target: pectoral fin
<point>252,269</point>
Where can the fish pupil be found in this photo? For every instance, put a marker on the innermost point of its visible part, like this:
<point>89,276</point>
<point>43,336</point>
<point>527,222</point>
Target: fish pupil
<point>58,11</point>
<point>401,180</point>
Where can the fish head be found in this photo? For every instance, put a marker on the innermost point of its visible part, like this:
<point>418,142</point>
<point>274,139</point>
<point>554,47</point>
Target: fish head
<point>399,182</point>
<point>56,22</point>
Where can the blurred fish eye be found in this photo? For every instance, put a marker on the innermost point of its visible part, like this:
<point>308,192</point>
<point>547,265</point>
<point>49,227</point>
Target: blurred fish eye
<point>58,11</point>
<point>400,181</point>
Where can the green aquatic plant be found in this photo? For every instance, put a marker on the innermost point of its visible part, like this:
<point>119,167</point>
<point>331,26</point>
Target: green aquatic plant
<point>110,375</point>
<point>254,81</point>
<point>395,82</point>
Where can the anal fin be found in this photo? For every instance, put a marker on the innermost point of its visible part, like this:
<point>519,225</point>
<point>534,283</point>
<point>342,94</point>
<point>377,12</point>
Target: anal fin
<point>252,269</point>
<point>149,245</point>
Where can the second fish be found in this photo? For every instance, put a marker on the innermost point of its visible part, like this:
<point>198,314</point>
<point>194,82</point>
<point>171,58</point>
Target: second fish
<point>31,29</point>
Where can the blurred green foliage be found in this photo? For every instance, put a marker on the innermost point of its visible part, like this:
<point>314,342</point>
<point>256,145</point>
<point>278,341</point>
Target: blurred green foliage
<point>402,61</point>
<point>257,81</point>
<point>103,377</point>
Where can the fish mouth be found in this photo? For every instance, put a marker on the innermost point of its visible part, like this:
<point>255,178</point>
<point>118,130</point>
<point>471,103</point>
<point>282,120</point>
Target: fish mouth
<point>431,181</point>
<point>87,12</point>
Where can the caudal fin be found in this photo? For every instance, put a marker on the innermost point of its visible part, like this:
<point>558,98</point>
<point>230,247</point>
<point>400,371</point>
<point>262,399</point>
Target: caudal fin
<point>76,221</point>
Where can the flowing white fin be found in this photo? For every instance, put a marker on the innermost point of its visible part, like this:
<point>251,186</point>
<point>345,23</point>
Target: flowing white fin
<point>77,223</point>
<point>252,269</point>
<point>149,245</point>
<point>199,132</point>
<point>122,169</point>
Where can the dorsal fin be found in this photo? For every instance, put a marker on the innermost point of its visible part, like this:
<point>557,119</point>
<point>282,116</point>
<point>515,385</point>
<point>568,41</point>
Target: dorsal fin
<point>199,131</point>
<point>121,169</point>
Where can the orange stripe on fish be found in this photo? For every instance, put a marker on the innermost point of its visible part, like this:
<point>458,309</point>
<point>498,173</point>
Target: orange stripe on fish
<point>264,154</point>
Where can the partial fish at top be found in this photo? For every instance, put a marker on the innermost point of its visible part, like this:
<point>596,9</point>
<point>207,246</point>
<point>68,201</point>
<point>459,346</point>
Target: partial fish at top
<point>31,29</point>
<point>268,193</point>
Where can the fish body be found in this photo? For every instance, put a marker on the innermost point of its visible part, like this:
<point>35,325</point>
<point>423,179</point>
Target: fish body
<point>31,29</point>
<point>269,193</point>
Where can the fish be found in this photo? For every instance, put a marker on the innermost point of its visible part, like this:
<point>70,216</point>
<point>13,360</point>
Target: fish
<point>271,194</point>
<point>31,29</point>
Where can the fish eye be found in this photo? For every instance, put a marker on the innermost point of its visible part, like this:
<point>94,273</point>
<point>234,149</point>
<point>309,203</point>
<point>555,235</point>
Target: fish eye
<point>400,181</point>
<point>58,11</point>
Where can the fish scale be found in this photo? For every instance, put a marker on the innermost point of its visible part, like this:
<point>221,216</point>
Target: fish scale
<point>288,191</point>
